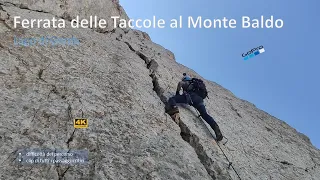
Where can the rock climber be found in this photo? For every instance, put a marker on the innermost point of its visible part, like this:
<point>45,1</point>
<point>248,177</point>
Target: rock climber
<point>194,91</point>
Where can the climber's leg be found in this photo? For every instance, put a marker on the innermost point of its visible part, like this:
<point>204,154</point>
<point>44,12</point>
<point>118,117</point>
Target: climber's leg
<point>172,104</point>
<point>177,99</point>
<point>203,113</point>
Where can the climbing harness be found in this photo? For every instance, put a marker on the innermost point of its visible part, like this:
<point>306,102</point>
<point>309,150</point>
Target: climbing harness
<point>230,163</point>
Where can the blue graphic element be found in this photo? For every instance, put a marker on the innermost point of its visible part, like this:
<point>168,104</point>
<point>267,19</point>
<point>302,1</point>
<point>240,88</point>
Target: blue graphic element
<point>254,54</point>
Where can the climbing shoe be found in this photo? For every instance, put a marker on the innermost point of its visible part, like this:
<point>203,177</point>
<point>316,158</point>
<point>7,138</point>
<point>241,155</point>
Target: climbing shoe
<point>176,118</point>
<point>216,129</point>
<point>172,110</point>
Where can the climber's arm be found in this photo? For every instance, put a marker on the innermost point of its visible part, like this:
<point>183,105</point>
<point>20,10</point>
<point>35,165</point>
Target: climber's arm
<point>180,85</point>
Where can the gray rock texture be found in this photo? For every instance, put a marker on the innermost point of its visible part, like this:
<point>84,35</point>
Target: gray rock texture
<point>120,80</point>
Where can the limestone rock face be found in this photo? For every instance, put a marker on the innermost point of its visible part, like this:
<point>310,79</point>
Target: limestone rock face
<point>120,80</point>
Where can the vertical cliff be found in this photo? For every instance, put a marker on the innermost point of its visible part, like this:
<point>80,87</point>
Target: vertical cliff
<point>120,80</point>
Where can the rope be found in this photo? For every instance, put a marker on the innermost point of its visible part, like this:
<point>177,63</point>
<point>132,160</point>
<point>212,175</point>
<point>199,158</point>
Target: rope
<point>230,163</point>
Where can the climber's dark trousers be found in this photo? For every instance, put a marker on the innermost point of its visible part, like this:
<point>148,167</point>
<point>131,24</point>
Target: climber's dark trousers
<point>197,103</point>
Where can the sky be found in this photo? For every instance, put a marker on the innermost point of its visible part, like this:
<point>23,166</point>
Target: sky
<point>284,81</point>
